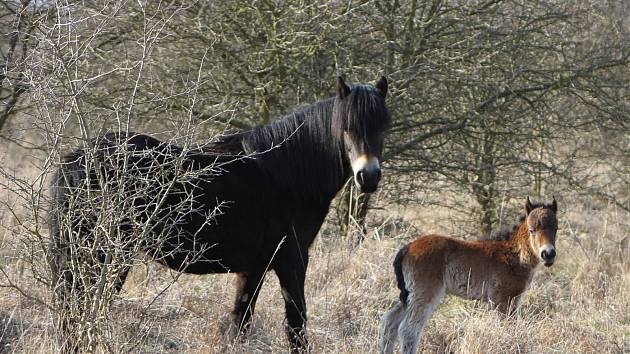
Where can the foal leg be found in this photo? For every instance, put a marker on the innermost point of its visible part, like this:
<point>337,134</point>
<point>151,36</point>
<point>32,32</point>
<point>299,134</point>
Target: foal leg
<point>291,277</point>
<point>247,289</point>
<point>420,306</point>
<point>507,305</point>
<point>389,328</point>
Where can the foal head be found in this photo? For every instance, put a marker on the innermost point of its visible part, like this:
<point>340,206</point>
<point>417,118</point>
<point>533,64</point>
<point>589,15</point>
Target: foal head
<point>542,224</point>
<point>360,121</point>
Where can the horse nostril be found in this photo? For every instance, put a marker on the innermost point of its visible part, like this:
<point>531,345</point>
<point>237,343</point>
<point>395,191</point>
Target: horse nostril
<point>360,176</point>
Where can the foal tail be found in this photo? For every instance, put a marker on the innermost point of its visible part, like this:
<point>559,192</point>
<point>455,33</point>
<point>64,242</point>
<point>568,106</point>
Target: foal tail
<point>400,278</point>
<point>392,319</point>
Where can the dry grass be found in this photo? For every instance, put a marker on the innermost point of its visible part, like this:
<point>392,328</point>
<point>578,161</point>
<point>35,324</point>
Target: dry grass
<point>580,305</point>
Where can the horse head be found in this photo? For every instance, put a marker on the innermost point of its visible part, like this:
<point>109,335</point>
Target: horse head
<point>360,121</point>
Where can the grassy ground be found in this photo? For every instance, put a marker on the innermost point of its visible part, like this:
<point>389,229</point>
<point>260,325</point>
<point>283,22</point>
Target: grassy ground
<point>580,305</point>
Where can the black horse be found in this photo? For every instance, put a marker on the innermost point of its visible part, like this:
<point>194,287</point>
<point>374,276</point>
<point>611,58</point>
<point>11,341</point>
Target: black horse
<point>277,190</point>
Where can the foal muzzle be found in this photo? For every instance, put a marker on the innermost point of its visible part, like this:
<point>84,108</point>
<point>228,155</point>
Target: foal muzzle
<point>548,255</point>
<point>367,173</point>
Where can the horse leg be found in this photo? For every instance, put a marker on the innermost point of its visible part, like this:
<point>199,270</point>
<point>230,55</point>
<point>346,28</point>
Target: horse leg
<point>247,290</point>
<point>389,328</point>
<point>119,282</point>
<point>68,290</point>
<point>65,287</point>
<point>291,276</point>
<point>420,306</point>
<point>122,277</point>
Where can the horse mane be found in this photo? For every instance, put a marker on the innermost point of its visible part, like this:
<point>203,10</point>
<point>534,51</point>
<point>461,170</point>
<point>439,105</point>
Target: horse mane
<point>506,233</point>
<point>228,144</point>
<point>365,112</point>
<point>311,138</point>
<point>305,138</point>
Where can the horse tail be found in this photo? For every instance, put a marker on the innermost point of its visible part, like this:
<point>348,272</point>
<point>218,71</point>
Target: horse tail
<point>67,177</point>
<point>400,278</point>
<point>66,180</point>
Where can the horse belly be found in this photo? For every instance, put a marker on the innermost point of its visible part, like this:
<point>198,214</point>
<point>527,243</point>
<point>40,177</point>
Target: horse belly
<point>229,245</point>
<point>226,230</point>
<point>253,221</point>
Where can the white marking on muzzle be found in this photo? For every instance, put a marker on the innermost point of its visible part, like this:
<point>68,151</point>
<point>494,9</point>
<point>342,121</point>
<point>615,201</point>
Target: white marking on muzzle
<point>366,163</point>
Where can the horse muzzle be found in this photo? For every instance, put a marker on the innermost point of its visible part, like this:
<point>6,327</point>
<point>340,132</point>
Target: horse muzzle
<point>367,173</point>
<point>367,181</point>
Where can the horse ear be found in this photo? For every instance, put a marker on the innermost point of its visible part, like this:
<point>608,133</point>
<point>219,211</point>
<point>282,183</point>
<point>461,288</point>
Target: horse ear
<point>342,89</point>
<point>381,85</point>
<point>528,206</point>
<point>554,205</point>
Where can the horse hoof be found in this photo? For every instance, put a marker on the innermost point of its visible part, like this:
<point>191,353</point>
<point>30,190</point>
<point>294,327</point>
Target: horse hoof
<point>228,327</point>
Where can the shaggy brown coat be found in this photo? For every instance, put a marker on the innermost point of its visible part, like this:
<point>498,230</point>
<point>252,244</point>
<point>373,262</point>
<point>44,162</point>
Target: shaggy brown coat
<point>497,271</point>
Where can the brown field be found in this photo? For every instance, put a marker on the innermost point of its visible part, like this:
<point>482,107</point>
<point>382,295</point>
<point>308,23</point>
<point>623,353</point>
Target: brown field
<point>580,305</point>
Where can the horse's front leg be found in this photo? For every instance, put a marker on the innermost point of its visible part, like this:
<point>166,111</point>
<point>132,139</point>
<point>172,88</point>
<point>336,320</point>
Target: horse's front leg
<point>291,276</point>
<point>247,290</point>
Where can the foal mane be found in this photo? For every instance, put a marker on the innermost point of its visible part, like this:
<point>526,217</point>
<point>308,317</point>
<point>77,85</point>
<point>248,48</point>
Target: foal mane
<point>506,233</point>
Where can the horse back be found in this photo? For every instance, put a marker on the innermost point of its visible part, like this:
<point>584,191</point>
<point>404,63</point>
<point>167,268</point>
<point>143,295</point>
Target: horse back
<point>245,216</point>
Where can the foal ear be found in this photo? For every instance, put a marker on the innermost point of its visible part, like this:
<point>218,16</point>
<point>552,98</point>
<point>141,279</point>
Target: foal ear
<point>554,205</point>
<point>528,206</point>
<point>342,89</point>
<point>381,85</point>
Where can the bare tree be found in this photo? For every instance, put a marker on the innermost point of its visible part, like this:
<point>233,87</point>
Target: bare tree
<point>481,91</point>
<point>19,21</point>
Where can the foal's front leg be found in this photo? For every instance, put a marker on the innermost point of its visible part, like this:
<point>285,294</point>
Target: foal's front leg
<point>508,305</point>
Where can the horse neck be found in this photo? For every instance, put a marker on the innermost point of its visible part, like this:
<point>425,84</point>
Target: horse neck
<point>325,168</point>
<point>307,160</point>
<point>520,244</point>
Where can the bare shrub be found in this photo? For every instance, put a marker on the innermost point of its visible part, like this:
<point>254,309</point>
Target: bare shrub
<point>107,195</point>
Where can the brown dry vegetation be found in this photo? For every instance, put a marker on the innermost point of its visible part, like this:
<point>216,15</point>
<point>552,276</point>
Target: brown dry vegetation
<point>580,305</point>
